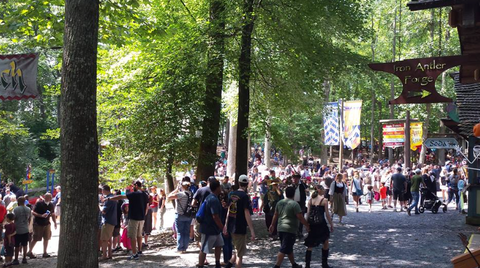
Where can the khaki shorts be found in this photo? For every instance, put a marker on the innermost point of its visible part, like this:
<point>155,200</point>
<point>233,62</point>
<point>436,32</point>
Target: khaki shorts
<point>135,229</point>
<point>107,232</point>
<point>41,232</point>
<point>240,244</point>
<point>196,232</point>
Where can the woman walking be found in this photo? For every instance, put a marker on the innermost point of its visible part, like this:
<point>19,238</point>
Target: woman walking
<point>356,189</point>
<point>338,191</point>
<point>154,205</point>
<point>162,206</point>
<point>317,211</point>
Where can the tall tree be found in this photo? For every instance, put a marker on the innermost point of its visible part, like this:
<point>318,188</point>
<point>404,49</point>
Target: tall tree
<point>79,144</point>
<point>213,95</point>
<point>245,72</point>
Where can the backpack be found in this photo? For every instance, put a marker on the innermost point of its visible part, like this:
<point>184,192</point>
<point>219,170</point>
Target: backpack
<point>200,216</point>
<point>190,211</point>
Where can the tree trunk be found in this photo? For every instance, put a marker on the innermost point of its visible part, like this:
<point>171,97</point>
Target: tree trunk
<point>244,69</point>
<point>268,146</point>
<point>423,152</point>
<point>232,149</point>
<point>227,133</point>
<point>213,94</point>
<point>79,142</point>
<point>169,182</point>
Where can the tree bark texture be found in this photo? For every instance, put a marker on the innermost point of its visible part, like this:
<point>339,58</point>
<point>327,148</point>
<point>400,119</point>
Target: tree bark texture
<point>426,125</point>
<point>213,95</point>
<point>79,142</point>
<point>245,71</point>
<point>232,149</point>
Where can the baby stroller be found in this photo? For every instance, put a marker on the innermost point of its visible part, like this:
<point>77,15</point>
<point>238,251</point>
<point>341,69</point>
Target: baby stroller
<point>430,201</point>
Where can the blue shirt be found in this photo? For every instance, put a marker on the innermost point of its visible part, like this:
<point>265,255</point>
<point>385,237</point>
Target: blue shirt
<point>212,207</point>
<point>110,209</point>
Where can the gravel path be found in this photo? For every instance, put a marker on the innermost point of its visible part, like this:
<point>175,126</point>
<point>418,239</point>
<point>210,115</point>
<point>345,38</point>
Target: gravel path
<point>381,239</point>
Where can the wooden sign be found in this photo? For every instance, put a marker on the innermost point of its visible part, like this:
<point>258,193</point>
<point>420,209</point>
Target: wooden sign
<point>418,76</point>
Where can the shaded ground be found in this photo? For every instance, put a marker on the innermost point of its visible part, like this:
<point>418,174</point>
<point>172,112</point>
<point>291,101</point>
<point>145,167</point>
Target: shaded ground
<point>379,239</point>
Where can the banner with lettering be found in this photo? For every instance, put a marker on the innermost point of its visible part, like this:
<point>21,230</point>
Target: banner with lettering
<point>352,111</point>
<point>330,124</point>
<point>393,135</point>
<point>18,76</point>
<point>416,135</point>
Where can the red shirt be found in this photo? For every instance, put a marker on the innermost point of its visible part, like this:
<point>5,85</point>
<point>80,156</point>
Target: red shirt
<point>9,229</point>
<point>3,212</point>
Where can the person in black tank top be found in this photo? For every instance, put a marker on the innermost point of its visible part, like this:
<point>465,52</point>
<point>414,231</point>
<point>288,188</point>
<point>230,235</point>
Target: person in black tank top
<point>317,216</point>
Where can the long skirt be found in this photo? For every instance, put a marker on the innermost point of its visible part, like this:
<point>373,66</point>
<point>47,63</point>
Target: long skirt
<point>338,205</point>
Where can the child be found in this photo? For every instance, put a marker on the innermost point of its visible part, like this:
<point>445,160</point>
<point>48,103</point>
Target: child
<point>255,203</point>
<point>383,195</point>
<point>9,239</point>
<point>370,196</point>
<point>124,239</point>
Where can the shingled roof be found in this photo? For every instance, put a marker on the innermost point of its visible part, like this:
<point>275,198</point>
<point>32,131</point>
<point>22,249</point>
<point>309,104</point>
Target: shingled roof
<point>468,102</point>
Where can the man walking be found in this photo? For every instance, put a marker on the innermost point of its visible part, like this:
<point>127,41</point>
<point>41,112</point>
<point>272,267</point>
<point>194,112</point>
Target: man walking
<point>300,197</point>
<point>415,190</point>
<point>289,214</point>
<point>138,206</point>
<point>211,226</point>
<point>399,183</point>
<point>22,219</point>
<point>238,218</point>
<point>43,212</point>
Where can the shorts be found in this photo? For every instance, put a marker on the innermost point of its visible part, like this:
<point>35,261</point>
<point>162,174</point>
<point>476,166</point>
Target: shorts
<point>196,231</point>
<point>211,241</point>
<point>154,210</point>
<point>287,241</point>
<point>398,195</point>
<point>116,231</point>
<point>21,239</point>
<point>58,211</point>
<point>389,192</point>
<point>135,229</point>
<point>239,241</point>
<point>107,232</point>
<point>41,232</point>
<point>9,251</point>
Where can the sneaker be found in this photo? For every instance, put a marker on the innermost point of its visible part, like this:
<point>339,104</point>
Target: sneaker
<point>31,255</point>
<point>24,261</point>
<point>45,255</point>
<point>139,252</point>
<point>296,265</point>
<point>390,206</point>
<point>15,262</point>
<point>133,257</point>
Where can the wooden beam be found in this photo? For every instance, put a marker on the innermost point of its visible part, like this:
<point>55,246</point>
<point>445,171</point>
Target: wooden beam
<point>429,4</point>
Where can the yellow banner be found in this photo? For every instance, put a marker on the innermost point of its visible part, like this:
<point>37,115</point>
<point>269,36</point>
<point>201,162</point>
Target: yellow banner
<point>352,111</point>
<point>416,134</point>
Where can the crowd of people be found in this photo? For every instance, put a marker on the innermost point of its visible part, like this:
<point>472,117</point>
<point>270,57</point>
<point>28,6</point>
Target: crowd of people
<point>25,224</point>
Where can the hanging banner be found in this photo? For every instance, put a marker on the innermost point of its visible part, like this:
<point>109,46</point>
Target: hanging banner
<point>18,76</point>
<point>393,135</point>
<point>330,124</point>
<point>352,111</point>
<point>416,134</point>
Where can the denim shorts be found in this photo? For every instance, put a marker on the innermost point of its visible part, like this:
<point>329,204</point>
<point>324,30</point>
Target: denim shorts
<point>287,241</point>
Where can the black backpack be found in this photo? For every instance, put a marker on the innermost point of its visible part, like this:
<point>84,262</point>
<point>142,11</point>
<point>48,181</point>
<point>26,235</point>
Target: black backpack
<point>189,211</point>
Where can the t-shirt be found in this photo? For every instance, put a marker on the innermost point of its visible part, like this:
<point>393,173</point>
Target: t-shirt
<point>3,212</point>
<point>212,207</point>
<point>287,210</point>
<point>22,216</point>
<point>201,194</point>
<point>9,229</point>
<point>119,212</point>
<point>416,180</point>
<point>226,187</point>
<point>239,201</point>
<point>182,202</point>
<point>41,208</point>
<point>383,192</point>
<point>398,182</point>
<point>138,201</point>
<point>110,209</point>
